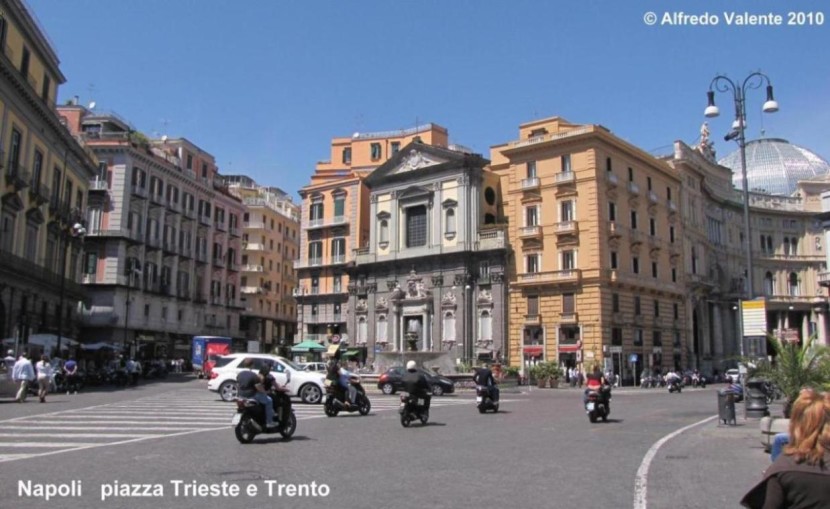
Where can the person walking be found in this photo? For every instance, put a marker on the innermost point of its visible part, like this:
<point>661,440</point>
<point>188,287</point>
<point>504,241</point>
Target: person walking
<point>24,374</point>
<point>800,477</point>
<point>44,377</point>
<point>70,372</point>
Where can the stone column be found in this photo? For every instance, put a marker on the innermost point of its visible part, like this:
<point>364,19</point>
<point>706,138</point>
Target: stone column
<point>717,323</point>
<point>821,316</point>
<point>805,326</point>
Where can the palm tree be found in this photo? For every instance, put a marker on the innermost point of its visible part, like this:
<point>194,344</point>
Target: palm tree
<point>796,367</point>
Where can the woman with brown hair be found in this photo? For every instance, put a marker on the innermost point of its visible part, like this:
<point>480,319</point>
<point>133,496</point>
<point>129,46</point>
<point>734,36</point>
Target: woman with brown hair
<point>800,477</point>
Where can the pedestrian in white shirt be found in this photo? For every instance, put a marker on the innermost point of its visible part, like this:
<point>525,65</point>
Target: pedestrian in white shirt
<point>24,374</point>
<point>44,377</point>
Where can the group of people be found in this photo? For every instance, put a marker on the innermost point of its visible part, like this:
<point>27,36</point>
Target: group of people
<point>24,374</point>
<point>262,386</point>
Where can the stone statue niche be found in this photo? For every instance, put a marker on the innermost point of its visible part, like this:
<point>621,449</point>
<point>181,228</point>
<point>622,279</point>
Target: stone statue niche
<point>413,333</point>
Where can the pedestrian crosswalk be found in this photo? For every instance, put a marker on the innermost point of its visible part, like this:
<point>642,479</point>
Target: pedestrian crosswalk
<point>194,411</point>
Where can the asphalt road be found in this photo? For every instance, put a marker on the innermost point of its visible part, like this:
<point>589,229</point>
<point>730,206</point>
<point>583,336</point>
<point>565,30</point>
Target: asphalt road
<point>540,451</point>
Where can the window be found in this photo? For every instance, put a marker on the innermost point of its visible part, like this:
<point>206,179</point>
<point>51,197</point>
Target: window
<point>31,241</point>
<point>652,226</point>
<point>347,155</point>
<point>315,253</point>
<point>416,226</point>
<point>566,211</point>
<point>768,284</point>
<point>14,151</point>
<point>362,330</point>
<point>24,63</point>
<point>375,149</point>
<point>616,336</point>
<point>635,265</point>
<point>654,269</point>
<point>37,168</point>
<point>608,166</point>
<point>668,193</point>
<point>674,275</point>
<point>694,260</point>
<point>314,310</point>
<point>638,337</point>
<point>671,234</point>
<point>3,30</point>
<point>531,169</point>
<point>568,260</point>
<point>338,250</point>
<point>384,232</point>
<point>676,311</point>
<point>484,270</point>
<point>818,243</point>
<point>612,211</point>
<point>337,283</point>
<point>630,174</point>
<point>450,222</point>
<point>568,303</point>
<point>316,212</point>
<point>793,284</point>
<point>396,147</point>
<point>485,326</point>
<point>490,196</point>
<point>794,246</point>
<point>382,330</point>
<point>657,338</point>
<point>656,308</point>
<point>633,219</point>
<point>449,327</point>
<point>615,302</point>
<point>614,260</point>
<point>637,310</point>
<point>648,183</point>
<point>189,165</point>
<point>204,170</point>
<point>533,305</point>
<point>47,84</point>
<point>532,262</point>
<point>339,206</point>
<point>566,163</point>
<point>531,216</point>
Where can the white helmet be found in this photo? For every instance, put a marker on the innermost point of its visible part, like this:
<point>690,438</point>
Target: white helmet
<point>411,365</point>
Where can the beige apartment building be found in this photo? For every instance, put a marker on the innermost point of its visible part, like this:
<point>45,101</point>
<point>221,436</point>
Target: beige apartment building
<point>164,241</point>
<point>597,273</point>
<point>46,174</point>
<point>335,222</point>
<point>270,244</point>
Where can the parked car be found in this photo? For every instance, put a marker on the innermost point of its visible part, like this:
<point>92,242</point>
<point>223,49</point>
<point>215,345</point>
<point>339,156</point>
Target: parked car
<point>305,384</point>
<point>317,367</point>
<point>392,381</point>
<point>734,374</point>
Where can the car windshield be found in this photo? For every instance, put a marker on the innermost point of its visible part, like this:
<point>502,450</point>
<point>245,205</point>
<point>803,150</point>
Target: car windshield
<point>429,372</point>
<point>290,364</point>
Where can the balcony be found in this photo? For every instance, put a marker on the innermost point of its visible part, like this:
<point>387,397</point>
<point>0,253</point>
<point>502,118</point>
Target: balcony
<point>235,231</point>
<point>614,230</point>
<point>251,290</point>
<point>253,268</point>
<point>530,232</point>
<point>824,279</point>
<point>556,277</point>
<point>336,220</point>
<point>568,318</point>
<point>188,213</point>
<point>174,207</point>
<point>98,185</point>
<point>492,238</point>
<point>153,242</point>
<point>201,256</point>
<point>205,220</point>
<point>338,259</point>
<point>672,206</point>
<point>139,192</point>
<point>530,184</point>
<point>565,177</point>
<point>635,237</point>
<point>533,319</point>
<point>185,251</point>
<point>89,279</point>
<point>566,228</point>
<point>633,189</point>
<point>315,223</point>
<point>254,246</point>
<point>221,226</point>
<point>169,246</point>
<point>652,197</point>
<point>18,176</point>
<point>39,192</point>
<point>255,225</point>
<point>157,200</point>
<point>233,267</point>
<point>120,232</point>
<point>611,178</point>
<point>218,262</point>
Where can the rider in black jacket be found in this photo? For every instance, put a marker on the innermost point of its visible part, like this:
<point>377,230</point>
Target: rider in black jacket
<point>483,376</point>
<point>416,384</point>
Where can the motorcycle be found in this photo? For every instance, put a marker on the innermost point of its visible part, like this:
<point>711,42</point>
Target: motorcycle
<point>336,397</point>
<point>249,420</point>
<point>596,407</point>
<point>675,386</point>
<point>699,381</point>
<point>485,400</point>
<point>413,408</point>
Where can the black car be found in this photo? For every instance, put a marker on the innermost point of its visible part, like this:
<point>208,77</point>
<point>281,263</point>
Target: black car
<point>392,381</point>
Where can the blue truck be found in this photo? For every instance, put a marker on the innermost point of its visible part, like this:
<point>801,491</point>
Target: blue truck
<point>205,351</point>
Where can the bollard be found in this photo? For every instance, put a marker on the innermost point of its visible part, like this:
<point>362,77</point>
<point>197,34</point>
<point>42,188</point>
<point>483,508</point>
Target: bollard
<point>726,407</point>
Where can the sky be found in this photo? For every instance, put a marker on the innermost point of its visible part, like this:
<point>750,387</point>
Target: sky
<point>264,85</point>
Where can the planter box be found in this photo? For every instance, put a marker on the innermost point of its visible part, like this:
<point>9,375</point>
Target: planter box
<point>771,426</point>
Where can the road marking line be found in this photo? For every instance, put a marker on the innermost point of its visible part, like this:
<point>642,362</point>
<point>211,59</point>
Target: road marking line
<point>641,481</point>
<point>50,445</point>
<point>94,428</point>
<point>76,435</point>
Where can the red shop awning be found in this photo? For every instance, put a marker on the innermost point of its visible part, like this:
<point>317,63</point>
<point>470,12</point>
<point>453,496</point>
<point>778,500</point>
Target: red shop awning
<point>533,351</point>
<point>570,348</point>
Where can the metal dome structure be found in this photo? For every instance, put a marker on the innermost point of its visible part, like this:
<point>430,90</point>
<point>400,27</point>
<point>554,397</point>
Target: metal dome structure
<point>774,166</point>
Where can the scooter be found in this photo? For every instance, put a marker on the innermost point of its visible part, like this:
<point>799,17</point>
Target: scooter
<point>596,407</point>
<point>249,420</point>
<point>699,381</point>
<point>675,386</point>
<point>485,400</point>
<point>336,398</point>
<point>413,408</point>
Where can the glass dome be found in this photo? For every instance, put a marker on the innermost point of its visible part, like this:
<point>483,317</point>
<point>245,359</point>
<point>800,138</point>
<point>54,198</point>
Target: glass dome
<point>774,166</point>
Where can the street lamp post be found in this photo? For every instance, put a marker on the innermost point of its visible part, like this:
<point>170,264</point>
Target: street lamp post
<point>77,231</point>
<point>723,84</point>
<point>131,270</point>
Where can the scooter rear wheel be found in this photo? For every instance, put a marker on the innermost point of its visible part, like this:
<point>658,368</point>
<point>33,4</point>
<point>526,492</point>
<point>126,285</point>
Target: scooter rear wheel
<point>287,430</point>
<point>243,431</point>
<point>365,406</point>
<point>424,417</point>
<point>405,421</point>
<point>330,409</point>
<point>592,416</point>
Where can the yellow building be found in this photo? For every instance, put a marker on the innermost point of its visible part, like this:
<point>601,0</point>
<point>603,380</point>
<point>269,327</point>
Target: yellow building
<point>46,176</point>
<point>596,275</point>
<point>271,224</point>
<point>335,222</point>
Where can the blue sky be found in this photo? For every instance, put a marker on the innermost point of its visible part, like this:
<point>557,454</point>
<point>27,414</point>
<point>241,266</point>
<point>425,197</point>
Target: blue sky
<point>265,84</point>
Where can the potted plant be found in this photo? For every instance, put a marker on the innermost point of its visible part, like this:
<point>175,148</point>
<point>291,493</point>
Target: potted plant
<point>553,375</point>
<point>796,367</point>
<point>539,373</point>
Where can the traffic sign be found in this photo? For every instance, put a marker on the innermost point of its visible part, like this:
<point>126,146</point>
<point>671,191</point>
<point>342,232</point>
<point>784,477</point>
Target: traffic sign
<point>632,358</point>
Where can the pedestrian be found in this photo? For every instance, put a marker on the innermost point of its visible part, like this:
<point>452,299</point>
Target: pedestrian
<point>70,372</point>
<point>580,377</point>
<point>9,360</point>
<point>572,376</point>
<point>44,377</point>
<point>800,477</point>
<point>24,374</point>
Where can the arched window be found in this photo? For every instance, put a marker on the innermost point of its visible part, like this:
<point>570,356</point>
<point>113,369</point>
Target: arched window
<point>786,246</point>
<point>793,283</point>
<point>794,246</point>
<point>382,328</point>
<point>449,327</point>
<point>450,222</point>
<point>485,326</point>
<point>489,219</point>
<point>768,289</point>
<point>694,260</point>
<point>362,329</point>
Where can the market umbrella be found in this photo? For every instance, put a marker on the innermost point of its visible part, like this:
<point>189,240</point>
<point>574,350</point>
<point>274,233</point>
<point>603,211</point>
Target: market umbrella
<point>308,346</point>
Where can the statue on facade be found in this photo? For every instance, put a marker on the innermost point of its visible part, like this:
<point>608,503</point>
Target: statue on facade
<point>485,295</point>
<point>706,147</point>
<point>382,303</point>
<point>361,305</point>
<point>449,298</point>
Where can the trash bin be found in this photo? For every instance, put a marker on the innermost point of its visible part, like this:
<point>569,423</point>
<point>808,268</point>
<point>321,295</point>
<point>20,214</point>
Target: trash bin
<point>726,407</point>
<point>755,399</point>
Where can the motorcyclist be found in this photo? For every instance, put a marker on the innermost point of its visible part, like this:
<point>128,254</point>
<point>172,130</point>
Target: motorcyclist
<point>483,376</point>
<point>416,384</point>
<point>251,386</point>
<point>597,382</point>
<point>672,378</point>
<point>344,379</point>
<point>278,394</point>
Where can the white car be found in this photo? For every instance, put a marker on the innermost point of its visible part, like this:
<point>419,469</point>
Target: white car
<point>319,367</point>
<point>307,385</point>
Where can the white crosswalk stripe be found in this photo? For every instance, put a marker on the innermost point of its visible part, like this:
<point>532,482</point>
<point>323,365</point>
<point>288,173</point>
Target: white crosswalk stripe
<point>196,410</point>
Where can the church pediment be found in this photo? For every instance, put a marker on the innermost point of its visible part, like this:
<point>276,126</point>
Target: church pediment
<point>413,192</point>
<point>415,160</point>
